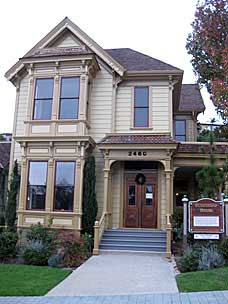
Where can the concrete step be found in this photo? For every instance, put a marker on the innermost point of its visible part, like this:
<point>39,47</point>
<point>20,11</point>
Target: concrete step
<point>133,247</point>
<point>138,240</point>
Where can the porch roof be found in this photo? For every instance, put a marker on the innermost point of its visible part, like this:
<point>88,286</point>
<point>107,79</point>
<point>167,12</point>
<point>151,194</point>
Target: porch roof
<point>137,139</point>
<point>201,147</point>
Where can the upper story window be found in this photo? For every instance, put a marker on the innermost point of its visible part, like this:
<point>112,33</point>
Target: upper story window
<point>43,99</point>
<point>180,130</point>
<point>69,98</point>
<point>141,107</point>
<point>37,180</point>
<point>64,185</point>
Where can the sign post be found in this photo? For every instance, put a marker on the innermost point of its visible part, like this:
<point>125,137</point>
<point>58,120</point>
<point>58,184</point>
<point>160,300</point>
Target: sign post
<point>185,221</point>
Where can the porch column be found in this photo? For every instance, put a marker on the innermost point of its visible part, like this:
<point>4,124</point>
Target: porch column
<point>168,179</point>
<point>23,192</point>
<point>106,186</point>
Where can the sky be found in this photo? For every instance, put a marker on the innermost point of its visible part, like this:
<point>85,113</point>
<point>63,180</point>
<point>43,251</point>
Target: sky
<point>158,28</point>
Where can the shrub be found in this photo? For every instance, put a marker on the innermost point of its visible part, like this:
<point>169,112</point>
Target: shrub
<point>36,253</point>
<point>40,233</point>
<point>8,242</point>
<point>75,252</point>
<point>189,261</point>
<point>223,248</point>
<point>210,258</point>
<point>55,260</point>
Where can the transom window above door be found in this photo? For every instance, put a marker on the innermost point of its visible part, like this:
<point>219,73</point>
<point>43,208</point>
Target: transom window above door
<point>141,107</point>
<point>69,98</point>
<point>43,99</point>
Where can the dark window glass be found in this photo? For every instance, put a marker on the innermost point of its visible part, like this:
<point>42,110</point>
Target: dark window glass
<point>37,179</point>
<point>131,195</point>
<point>43,99</point>
<point>141,107</point>
<point>64,186</point>
<point>69,98</point>
<point>149,195</point>
<point>180,130</point>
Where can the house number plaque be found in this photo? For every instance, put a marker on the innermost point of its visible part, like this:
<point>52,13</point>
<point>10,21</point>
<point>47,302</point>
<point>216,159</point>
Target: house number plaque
<point>137,153</point>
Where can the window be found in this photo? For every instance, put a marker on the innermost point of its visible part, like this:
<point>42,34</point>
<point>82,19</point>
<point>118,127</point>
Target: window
<point>37,180</point>
<point>141,107</point>
<point>69,98</point>
<point>180,130</point>
<point>43,99</point>
<point>64,186</point>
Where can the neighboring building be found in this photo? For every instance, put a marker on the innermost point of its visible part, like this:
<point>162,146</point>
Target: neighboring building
<point>6,136</point>
<point>4,170</point>
<point>128,109</point>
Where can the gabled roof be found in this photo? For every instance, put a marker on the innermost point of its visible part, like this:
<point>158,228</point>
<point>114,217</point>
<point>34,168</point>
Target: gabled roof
<point>67,24</point>
<point>4,154</point>
<point>191,98</point>
<point>132,60</point>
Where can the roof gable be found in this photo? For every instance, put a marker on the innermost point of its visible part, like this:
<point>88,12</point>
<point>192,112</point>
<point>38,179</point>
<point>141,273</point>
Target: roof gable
<point>55,36</point>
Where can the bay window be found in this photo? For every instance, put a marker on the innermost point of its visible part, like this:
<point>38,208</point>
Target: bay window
<point>64,185</point>
<point>141,107</point>
<point>36,189</point>
<point>69,98</point>
<point>43,99</point>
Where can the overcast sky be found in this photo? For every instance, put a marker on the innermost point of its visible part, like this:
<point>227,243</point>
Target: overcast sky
<point>155,27</point>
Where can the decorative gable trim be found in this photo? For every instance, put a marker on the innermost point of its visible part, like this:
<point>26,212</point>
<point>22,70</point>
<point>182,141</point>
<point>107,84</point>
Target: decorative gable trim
<point>66,23</point>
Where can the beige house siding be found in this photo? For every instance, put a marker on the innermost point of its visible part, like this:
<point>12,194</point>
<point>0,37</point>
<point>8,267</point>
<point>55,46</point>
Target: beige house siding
<point>159,107</point>
<point>100,106</point>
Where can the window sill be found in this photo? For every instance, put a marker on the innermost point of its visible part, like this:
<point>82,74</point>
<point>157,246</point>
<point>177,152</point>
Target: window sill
<point>142,128</point>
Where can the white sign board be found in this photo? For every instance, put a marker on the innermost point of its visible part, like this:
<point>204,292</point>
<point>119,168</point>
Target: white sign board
<point>198,236</point>
<point>149,195</point>
<point>206,221</point>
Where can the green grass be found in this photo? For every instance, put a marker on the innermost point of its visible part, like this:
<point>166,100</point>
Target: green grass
<point>25,280</point>
<point>215,279</point>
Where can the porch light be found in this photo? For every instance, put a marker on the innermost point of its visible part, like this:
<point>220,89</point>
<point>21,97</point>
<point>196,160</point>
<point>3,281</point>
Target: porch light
<point>184,199</point>
<point>225,199</point>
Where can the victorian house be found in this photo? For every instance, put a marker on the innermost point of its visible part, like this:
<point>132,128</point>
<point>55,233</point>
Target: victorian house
<point>129,110</point>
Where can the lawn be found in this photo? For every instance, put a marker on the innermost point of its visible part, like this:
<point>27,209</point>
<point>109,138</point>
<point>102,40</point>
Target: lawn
<point>25,280</point>
<point>215,279</point>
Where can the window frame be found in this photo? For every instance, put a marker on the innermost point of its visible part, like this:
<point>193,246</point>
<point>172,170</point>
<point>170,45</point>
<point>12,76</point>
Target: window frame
<point>60,98</point>
<point>34,97</point>
<point>137,107</point>
<point>54,184</point>
<point>132,114</point>
<point>27,185</point>
<point>185,127</point>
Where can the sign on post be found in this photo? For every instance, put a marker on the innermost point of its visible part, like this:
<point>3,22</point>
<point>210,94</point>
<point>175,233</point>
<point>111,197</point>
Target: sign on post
<point>206,218</point>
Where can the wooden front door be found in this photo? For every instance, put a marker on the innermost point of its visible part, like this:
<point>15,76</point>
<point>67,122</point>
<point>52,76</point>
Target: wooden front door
<point>140,209</point>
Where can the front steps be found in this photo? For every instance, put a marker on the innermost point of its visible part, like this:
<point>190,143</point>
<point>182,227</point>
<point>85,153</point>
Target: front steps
<point>134,240</point>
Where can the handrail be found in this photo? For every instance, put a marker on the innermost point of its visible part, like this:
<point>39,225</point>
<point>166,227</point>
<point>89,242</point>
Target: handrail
<point>99,228</point>
<point>168,235</point>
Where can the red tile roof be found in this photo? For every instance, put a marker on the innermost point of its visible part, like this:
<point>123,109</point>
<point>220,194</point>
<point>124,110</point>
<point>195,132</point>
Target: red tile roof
<point>200,148</point>
<point>137,139</point>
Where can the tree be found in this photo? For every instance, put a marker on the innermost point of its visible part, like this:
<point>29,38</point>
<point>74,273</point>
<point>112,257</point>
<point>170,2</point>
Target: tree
<point>211,179</point>
<point>89,196</point>
<point>208,46</point>
<point>11,206</point>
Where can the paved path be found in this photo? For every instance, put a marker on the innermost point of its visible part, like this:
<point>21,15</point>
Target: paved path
<point>214,297</point>
<point>119,274</point>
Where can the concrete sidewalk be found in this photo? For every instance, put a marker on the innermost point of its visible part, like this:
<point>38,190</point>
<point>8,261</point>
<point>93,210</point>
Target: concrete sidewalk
<point>119,274</point>
<point>215,297</point>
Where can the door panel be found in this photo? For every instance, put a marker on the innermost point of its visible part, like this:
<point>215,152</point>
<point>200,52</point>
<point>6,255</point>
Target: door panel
<point>140,202</point>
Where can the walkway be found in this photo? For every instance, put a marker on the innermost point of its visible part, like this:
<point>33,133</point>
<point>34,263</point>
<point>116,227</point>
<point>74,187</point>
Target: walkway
<point>119,274</point>
<point>215,297</point>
